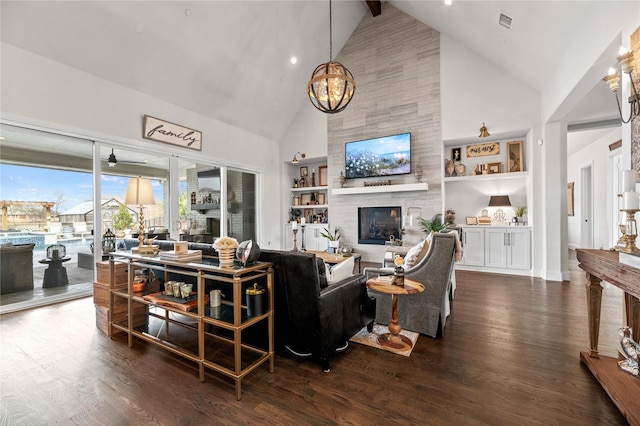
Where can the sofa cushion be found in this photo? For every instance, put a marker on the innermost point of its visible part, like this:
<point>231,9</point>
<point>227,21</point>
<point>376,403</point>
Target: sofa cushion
<point>340,271</point>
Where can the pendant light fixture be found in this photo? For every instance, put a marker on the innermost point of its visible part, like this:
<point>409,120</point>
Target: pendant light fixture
<point>332,86</point>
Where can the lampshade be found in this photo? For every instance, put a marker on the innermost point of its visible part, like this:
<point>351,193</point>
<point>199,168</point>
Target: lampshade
<point>139,192</point>
<point>499,201</point>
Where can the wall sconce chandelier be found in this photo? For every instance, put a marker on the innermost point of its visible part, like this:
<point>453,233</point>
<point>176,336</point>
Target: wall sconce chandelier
<point>626,61</point>
<point>295,156</point>
<point>484,132</point>
<point>332,86</point>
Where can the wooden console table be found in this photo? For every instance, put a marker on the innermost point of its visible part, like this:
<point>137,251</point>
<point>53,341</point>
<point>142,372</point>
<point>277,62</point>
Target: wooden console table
<point>622,388</point>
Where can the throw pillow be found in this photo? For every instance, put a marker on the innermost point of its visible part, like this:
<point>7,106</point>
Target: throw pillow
<point>424,251</point>
<point>412,255</point>
<point>340,271</point>
<point>322,273</point>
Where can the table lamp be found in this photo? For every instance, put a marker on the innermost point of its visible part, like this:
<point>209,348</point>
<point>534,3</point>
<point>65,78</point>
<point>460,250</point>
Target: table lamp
<point>139,192</point>
<point>499,201</point>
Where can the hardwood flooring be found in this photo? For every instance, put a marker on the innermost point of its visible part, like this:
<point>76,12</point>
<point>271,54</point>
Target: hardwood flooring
<point>509,355</point>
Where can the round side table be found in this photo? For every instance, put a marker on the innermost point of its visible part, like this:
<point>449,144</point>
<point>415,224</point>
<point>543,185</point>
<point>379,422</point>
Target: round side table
<point>393,339</point>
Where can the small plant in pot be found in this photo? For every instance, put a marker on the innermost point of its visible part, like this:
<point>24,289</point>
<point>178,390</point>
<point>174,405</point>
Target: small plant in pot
<point>333,237</point>
<point>520,211</point>
<point>433,225</point>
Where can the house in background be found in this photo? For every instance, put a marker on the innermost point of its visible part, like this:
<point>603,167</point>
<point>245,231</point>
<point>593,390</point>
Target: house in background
<point>83,212</point>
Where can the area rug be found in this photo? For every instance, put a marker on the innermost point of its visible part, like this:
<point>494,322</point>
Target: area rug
<point>371,339</point>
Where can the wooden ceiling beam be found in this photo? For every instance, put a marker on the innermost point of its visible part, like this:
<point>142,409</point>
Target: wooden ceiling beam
<point>375,6</point>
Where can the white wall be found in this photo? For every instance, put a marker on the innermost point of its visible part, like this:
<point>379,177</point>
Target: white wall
<point>475,91</point>
<point>45,94</point>
<point>597,155</point>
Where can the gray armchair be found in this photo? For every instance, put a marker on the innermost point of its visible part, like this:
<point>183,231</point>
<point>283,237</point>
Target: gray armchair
<point>424,312</point>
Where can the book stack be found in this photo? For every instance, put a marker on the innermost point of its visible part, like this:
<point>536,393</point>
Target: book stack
<point>188,256</point>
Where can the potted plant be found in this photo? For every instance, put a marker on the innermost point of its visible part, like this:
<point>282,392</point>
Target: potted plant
<point>520,211</point>
<point>333,237</point>
<point>433,225</point>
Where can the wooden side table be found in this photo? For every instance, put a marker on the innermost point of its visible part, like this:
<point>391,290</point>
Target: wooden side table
<point>393,339</point>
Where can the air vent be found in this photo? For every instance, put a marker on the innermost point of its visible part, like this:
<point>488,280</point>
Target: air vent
<point>505,21</point>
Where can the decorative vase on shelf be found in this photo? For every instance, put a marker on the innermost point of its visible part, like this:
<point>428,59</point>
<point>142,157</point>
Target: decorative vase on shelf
<point>450,167</point>
<point>226,248</point>
<point>460,169</point>
<point>226,256</point>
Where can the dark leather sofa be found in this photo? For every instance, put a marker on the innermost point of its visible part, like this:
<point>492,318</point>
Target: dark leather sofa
<point>311,319</point>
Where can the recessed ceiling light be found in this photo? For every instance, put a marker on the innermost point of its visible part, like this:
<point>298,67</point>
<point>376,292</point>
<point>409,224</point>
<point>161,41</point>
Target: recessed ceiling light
<point>187,12</point>
<point>293,60</point>
<point>448,2</point>
<point>505,21</point>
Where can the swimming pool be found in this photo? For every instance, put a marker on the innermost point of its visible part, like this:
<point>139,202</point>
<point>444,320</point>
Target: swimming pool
<point>38,239</point>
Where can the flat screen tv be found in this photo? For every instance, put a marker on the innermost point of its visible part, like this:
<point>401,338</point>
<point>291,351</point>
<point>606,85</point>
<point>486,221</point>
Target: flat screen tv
<point>209,180</point>
<point>385,156</point>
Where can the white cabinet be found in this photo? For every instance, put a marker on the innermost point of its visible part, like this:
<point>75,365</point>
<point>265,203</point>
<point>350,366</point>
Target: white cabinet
<point>312,238</point>
<point>473,239</point>
<point>497,249</point>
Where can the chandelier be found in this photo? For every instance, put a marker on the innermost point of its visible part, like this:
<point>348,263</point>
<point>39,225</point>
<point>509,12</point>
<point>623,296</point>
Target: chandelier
<point>626,61</point>
<point>332,86</point>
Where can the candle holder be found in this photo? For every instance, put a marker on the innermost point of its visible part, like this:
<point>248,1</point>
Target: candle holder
<point>302,248</point>
<point>631,233</point>
<point>295,240</point>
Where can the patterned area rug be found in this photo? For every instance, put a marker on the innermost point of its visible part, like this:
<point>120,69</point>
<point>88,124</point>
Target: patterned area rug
<point>371,339</point>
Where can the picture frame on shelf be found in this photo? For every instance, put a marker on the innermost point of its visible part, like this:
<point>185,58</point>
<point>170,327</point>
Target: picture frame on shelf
<point>321,198</point>
<point>570,206</point>
<point>456,154</point>
<point>305,199</point>
<point>471,220</point>
<point>494,168</point>
<point>515,161</point>
<point>304,171</point>
<point>323,176</point>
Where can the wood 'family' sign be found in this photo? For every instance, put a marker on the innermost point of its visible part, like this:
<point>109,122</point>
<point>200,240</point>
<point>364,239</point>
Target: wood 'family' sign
<point>491,148</point>
<point>163,131</point>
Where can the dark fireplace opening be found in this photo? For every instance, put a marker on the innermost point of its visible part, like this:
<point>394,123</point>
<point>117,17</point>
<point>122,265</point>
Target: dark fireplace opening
<point>377,224</point>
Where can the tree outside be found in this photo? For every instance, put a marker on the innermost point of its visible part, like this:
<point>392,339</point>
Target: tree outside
<point>122,220</point>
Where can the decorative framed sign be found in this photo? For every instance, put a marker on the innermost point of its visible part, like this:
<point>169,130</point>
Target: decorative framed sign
<point>514,157</point>
<point>323,178</point>
<point>164,131</point>
<point>570,208</point>
<point>491,148</point>
<point>471,220</point>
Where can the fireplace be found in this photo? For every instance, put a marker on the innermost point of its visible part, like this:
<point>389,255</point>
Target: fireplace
<point>377,224</point>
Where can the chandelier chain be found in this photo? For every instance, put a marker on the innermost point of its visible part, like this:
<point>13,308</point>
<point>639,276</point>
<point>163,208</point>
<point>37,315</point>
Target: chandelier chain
<point>330,35</point>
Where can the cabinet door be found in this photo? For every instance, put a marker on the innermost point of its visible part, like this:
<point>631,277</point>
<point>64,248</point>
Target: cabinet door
<point>519,249</point>
<point>473,239</point>
<point>496,248</point>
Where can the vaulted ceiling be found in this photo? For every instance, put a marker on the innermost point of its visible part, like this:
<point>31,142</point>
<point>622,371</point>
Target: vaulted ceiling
<point>230,60</point>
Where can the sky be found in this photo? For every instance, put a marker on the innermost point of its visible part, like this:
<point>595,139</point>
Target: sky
<point>21,183</point>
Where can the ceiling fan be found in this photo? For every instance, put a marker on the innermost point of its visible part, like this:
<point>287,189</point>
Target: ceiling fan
<point>112,160</point>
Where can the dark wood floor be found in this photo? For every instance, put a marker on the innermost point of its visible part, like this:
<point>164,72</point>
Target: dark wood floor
<point>510,355</point>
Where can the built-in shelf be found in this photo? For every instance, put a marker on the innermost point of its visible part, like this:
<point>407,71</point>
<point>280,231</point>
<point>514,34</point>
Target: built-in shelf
<point>206,206</point>
<point>493,176</point>
<point>423,186</point>
<point>309,189</point>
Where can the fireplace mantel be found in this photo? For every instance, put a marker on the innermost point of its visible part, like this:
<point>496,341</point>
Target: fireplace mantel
<point>423,186</point>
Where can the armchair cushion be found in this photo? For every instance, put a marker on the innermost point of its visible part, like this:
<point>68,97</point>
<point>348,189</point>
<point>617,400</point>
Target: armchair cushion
<point>322,273</point>
<point>340,271</point>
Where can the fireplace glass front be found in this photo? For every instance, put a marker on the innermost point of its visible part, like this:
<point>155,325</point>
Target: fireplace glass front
<point>377,224</point>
